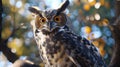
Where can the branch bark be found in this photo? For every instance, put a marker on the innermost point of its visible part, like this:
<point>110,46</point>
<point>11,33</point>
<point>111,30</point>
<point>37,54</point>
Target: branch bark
<point>3,43</point>
<point>1,10</point>
<point>115,61</point>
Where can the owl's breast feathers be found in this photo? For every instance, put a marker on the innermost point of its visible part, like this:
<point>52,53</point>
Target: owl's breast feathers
<point>79,50</point>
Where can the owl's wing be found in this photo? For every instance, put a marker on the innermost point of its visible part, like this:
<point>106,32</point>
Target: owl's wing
<point>80,51</point>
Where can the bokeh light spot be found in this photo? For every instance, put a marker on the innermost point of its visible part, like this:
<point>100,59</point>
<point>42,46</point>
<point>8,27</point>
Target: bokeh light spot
<point>13,50</point>
<point>97,5</point>
<point>18,4</point>
<point>12,2</point>
<point>97,16</point>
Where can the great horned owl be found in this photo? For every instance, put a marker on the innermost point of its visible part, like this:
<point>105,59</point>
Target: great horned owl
<point>58,46</point>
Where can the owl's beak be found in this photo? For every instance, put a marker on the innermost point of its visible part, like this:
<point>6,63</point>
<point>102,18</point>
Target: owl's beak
<point>52,26</point>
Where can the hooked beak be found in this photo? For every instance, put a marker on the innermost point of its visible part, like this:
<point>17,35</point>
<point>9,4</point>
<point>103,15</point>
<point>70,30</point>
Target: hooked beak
<point>51,25</point>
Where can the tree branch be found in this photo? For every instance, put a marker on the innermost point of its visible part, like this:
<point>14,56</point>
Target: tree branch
<point>1,10</point>
<point>3,43</point>
<point>116,53</point>
<point>115,61</point>
<point>12,57</point>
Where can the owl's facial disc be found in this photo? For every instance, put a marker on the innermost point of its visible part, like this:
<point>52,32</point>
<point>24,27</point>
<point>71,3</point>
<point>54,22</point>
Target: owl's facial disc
<point>53,21</point>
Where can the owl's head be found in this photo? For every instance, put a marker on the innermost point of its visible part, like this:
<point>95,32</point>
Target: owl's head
<point>50,20</point>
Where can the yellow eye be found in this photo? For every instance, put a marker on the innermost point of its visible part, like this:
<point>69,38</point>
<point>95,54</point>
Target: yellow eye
<point>57,19</point>
<point>43,20</point>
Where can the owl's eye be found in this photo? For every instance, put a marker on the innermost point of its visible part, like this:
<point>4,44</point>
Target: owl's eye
<point>43,20</point>
<point>57,19</point>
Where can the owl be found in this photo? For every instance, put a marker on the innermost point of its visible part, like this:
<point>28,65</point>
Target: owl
<point>58,45</point>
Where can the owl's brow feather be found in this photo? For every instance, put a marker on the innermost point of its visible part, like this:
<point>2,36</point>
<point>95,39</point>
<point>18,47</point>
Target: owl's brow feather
<point>35,10</point>
<point>62,7</point>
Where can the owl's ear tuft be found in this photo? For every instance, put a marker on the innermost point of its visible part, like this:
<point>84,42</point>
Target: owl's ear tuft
<point>63,6</point>
<point>35,10</point>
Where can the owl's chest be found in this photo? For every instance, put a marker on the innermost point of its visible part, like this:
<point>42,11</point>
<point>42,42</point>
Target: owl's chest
<point>53,52</point>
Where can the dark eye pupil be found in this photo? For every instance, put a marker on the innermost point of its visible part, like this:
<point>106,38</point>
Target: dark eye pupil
<point>43,20</point>
<point>57,19</point>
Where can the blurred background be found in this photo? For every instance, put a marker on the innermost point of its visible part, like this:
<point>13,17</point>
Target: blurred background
<point>90,19</point>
